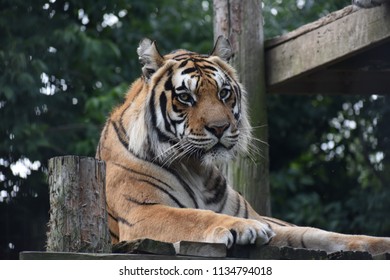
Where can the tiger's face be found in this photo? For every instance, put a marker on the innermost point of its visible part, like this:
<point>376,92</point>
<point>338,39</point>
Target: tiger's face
<point>196,108</point>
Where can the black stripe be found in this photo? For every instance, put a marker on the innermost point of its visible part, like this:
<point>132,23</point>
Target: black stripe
<point>201,59</point>
<point>223,204</point>
<point>103,138</point>
<point>153,184</point>
<point>237,89</point>
<point>189,70</point>
<point>186,187</point>
<point>163,107</point>
<point>211,77</point>
<point>112,216</point>
<point>200,141</point>
<point>168,84</point>
<point>133,200</point>
<point>98,152</point>
<point>218,190</point>
<point>303,245</point>
<point>143,174</point>
<point>122,137</point>
<point>124,221</point>
<point>238,114</point>
<point>182,87</point>
<point>209,67</point>
<point>160,135</point>
<point>119,128</point>
<point>238,205</point>
<point>277,222</point>
<point>177,111</point>
<point>151,109</point>
<point>174,122</point>
<point>183,64</point>
<point>246,209</point>
<point>113,235</point>
<point>183,56</point>
<point>164,191</point>
<point>122,129</point>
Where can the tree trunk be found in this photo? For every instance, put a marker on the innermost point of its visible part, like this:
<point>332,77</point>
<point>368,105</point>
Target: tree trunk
<point>242,23</point>
<point>78,217</point>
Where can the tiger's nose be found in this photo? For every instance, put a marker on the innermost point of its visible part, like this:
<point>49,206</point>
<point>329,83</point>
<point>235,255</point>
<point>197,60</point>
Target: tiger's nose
<point>217,128</point>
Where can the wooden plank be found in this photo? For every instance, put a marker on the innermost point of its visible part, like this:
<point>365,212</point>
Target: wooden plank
<point>349,255</point>
<point>267,252</point>
<point>201,249</point>
<point>310,27</point>
<point>261,252</point>
<point>146,245</point>
<point>367,73</point>
<point>28,255</point>
<point>385,256</point>
<point>322,44</point>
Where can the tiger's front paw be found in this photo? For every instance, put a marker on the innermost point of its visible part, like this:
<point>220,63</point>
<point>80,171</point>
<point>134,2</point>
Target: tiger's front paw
<point>240,232</point>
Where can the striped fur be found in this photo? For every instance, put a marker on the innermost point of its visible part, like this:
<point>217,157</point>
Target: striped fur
<point>185,113</point>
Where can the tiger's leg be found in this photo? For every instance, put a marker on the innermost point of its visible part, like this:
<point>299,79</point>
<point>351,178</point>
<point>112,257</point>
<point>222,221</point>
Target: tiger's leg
<point>171,224</point>
<point>313,238</point>
<point>287,234</point>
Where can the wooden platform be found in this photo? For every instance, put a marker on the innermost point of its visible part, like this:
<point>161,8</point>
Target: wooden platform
<point>147,249</point>
<point>346,52</point>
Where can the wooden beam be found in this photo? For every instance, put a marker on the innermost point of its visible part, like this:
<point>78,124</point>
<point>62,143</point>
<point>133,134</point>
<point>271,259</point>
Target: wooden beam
<point>242,23</point>
<point>322,57</point>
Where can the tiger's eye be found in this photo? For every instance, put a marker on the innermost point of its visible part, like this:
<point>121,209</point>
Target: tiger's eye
<point>224,94</point>
<point>185,98</point>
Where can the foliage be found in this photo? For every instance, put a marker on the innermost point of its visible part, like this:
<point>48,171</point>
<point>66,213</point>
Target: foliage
<point>334,177</point>
<point>65,64</point>
<point>282,16</point>
<point>329,154</point>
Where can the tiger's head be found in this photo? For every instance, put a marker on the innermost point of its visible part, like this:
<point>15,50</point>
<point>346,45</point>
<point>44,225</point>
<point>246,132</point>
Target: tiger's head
<point>195,108</point>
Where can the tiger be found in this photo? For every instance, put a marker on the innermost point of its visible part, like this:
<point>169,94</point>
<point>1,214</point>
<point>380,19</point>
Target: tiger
<point>184,115</point>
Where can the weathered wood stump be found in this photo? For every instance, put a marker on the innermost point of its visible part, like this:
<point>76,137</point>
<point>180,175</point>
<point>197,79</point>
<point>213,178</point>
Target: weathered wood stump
<point>78,217</point>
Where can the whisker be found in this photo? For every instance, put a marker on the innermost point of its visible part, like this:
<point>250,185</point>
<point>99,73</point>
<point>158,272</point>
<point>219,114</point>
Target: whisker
<point>259,126</point>
<point>253,127</point>
<point>185,147</point>
<point>261,141</point>
<point>167,154</point>
<point>252,148</point>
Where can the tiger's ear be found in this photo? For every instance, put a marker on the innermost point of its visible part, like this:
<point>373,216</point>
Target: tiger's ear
<point>222,48</point>
<point>149,57</point>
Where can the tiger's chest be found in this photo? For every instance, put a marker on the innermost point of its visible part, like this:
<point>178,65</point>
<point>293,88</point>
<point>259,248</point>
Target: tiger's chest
<point>204,189</point>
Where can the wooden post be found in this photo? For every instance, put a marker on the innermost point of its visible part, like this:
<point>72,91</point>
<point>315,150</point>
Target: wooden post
<point>241,22</point>
<point>78,217</point>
